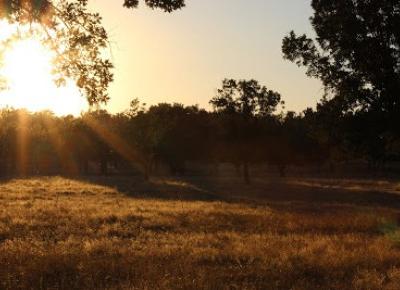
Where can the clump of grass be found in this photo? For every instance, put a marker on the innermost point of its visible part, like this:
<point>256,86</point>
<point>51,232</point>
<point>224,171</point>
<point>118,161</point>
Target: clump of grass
<point>391,230</point>
<point>57,233</point>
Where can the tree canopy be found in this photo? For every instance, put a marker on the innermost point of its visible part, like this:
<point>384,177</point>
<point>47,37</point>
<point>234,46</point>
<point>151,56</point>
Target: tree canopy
<point>40,7</point>
<point>166,5</point>
<point>356,52</point>
<point>75,34</point>
<point>245,106</point>
<point>245,97</point>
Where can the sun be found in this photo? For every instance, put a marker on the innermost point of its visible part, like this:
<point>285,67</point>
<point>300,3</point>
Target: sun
<point>27,69</point>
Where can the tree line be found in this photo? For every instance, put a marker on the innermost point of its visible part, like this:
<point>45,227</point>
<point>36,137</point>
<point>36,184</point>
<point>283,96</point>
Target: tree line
<point>245,128</point>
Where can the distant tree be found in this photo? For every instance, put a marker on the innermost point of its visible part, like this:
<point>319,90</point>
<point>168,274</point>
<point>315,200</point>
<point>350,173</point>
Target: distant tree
<point>356,53</point>
<point>168,133</point>
<point>166,5</point>
<point>327,125</point>
<point>292,145</point>
<point>8,121</point>
<point>246,98</point>
<point>97,125</point>
<point>83,144</point>
<point>243,104</point>
<point>135,108</point>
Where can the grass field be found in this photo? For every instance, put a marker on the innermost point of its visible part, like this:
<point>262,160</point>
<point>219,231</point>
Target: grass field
<point>124,233</point>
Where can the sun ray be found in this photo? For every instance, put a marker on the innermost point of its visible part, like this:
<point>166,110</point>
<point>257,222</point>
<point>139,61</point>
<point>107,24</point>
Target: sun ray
<point>116,142</point>
<point>22,143</point>
<point>68,164</point>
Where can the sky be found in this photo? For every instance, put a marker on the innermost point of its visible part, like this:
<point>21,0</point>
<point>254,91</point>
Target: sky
<point>184,56</point>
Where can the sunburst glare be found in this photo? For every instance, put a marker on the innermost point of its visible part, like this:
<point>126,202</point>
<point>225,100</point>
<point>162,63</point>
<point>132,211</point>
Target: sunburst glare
<point>27,69</point>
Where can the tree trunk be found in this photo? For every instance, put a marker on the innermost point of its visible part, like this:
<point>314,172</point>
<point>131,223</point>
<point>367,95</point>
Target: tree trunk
<point>238,169</point>
<point>246,174</point>
<point>146,174</point>
<point>3,166</point>
<point>282,170</point>
<point>103,166</point>
<point>85,167</point>
<point>148,166</point>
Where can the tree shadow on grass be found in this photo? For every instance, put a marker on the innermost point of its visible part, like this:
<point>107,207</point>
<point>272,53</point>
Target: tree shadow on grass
<point>156,188</point>
<point>261,191</point>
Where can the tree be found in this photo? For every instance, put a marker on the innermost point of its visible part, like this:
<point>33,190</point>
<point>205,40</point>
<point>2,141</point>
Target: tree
<point>8,121</point>
<point>166,5</point>
<point>356,53</point>
<point>327,125</point>
<point>40,7</point>
<point>246,98</point>
<point>243,104</point>
<point>170,134</point>
<point>74,34</point>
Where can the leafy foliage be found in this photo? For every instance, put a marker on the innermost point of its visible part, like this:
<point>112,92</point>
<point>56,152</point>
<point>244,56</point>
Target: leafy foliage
<point>37,8</point>
<point>74,34</point>
<point>247,98</point>
<point>25,11</point>
<point>356,52</point>
<point>80,42</point>
<point>242,104</point>
<point>166,5</point>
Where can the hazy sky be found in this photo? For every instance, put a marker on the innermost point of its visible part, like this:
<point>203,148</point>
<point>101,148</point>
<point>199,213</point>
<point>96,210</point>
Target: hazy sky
<point>183,57</point>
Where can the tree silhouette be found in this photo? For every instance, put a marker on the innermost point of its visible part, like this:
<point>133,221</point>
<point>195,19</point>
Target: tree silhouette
<point>245,97</point>
<point>166,5</point>
<point>356,53</point>
<point>242,104</point>
<point>75,34</point>
<point>37,8</point>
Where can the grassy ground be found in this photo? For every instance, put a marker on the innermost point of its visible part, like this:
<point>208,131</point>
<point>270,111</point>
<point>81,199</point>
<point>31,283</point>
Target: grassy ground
<point>123,233</point>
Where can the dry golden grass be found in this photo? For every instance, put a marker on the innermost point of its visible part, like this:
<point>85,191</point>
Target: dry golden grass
<point>121,233</point>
